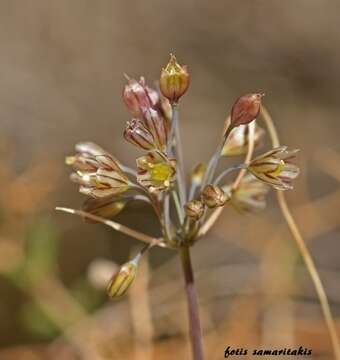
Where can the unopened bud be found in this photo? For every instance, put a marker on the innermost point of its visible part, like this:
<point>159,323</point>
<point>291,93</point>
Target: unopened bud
<point>105,208</point>
<point>174,80</point>
<point>194,209</point>
<point>245,109</point>
<point>138,96</point>
<point>121,281</point>
<point>197,174</point>
<point>213,196</point>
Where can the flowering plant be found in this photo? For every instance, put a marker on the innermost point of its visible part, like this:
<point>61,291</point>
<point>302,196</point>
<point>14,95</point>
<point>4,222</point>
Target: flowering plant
<point>186,207</point>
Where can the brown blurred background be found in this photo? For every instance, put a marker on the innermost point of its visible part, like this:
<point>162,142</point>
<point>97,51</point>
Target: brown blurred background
<point>62,65</point>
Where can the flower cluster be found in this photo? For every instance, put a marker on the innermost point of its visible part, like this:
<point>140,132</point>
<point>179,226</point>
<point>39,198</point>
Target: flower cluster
<point>182,206</point>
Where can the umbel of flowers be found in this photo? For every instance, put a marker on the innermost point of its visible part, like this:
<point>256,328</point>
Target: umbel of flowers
<point>183,204</point>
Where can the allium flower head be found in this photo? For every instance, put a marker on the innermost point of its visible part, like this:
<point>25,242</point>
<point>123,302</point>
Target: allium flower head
<point>245,109</point>
<point>97,172</point>
<point>156,171</point>
<point>174,80</point>
<point>275,168</point>
<point>138,96</point>
<point>122,280</point>
<point>194,209</point>
<point>238,140</point>
<point>250,195</point>
<point>213,196</point>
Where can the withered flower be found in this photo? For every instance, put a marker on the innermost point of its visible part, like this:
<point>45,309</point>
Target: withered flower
<point>275,168</point>
<point>156,171</point>
<point>213,196</point>
<point>122,280</point>
<point>194,209</point>
<point>174,80</point>
<point>238,140</point>
<point>250,195</point>
<point>246,109</point>
<point>97,172</point>
<point>138,96</point>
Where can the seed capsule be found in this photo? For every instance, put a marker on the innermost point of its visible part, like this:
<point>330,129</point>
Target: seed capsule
<point>194,209</point>
<point>213,196</point>
<point>174,80</point>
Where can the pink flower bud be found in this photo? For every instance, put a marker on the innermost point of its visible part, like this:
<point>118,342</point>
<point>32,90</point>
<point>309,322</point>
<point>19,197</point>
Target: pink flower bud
<point>245,109</point>
<point>138,96</point>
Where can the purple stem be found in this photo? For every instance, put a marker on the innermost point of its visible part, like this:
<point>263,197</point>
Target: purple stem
<point>193,309</point>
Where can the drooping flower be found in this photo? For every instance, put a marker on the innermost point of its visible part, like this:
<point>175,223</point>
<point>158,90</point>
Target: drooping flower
<point>97,172</point>
<point>156,171</point>
<point>250,195</point>
<point>213,196</point>
<point>174,80</point>
<point>237,142</point>
<point>194,209</point>
<point>122,280</point>
<point>138,97</point>
<point>275,168</point>
<point>245,109</point>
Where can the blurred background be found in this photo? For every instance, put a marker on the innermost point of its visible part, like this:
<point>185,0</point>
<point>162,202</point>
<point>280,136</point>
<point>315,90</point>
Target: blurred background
<point>62,65</point>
